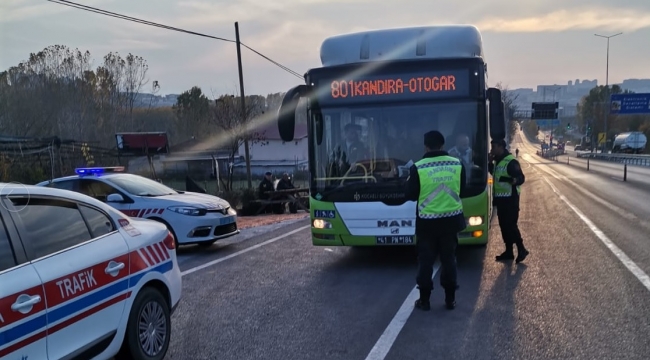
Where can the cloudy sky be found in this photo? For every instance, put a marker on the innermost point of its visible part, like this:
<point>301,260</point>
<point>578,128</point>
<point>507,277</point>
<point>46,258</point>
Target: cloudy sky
<point>527,42</point>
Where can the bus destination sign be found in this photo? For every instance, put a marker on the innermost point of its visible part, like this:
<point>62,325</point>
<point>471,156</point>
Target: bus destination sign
<point>418,86</point>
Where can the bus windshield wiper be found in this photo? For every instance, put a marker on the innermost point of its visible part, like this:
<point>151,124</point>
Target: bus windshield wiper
<point>361,185</point>
<point>348,186</point>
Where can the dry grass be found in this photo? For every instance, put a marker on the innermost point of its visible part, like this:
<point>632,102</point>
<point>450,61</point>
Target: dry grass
<point>245,222</point>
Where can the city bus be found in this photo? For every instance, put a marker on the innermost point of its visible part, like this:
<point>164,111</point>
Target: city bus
<point>368,107</point>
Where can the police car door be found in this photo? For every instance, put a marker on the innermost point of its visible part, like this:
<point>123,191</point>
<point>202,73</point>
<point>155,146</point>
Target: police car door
<point>22,300</point>
<point>83,262</point>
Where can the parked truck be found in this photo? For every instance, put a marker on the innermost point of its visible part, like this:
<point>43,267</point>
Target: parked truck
<point>632,142</point>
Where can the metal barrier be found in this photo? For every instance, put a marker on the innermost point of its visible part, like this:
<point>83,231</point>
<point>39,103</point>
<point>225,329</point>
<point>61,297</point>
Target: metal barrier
<point>628,159</point>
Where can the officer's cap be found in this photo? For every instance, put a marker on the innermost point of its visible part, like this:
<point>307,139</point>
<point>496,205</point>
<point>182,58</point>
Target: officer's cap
<point>499,142</point>
<point>434,139</point>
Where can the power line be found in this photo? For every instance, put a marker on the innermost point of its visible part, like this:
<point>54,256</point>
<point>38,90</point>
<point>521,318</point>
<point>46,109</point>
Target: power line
<point>150,23</point>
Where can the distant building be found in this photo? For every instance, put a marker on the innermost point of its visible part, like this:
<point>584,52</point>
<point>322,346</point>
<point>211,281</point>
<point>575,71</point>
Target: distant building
<point>636,85</point>
<point>145,100</point>
<point>273,154</point>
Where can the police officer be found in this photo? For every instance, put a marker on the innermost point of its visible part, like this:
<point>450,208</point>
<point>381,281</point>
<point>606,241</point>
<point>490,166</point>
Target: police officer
<point>508,179</point>
<point>436,183</point>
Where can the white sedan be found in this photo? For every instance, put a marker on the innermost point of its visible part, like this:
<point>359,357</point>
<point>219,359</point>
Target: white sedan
<point>193,218</point>
<point>81,280</point>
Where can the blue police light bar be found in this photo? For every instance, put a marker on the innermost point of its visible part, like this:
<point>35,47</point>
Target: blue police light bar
<point>98,170</point>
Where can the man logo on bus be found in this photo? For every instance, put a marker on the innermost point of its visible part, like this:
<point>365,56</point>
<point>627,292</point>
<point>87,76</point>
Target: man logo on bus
<point>394,223</point>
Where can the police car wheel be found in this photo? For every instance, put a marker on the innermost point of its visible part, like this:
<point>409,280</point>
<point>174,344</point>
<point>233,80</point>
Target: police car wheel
<point>149,327</point>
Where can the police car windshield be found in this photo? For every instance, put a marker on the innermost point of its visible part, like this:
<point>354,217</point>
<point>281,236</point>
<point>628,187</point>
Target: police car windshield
<point>141,186</point>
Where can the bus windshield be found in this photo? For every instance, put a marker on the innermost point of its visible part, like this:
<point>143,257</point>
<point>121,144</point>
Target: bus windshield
<point>370,148</point>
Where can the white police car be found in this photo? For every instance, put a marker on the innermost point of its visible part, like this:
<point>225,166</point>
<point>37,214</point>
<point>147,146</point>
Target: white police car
<point>193,218</point>
<point>80,280</point>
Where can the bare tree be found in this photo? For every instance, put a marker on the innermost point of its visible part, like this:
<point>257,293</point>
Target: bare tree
<point>135,72</point>
<point>237,127</point>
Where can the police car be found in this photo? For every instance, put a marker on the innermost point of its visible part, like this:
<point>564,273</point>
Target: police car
<point>193,218</point>
<point>81,280</point>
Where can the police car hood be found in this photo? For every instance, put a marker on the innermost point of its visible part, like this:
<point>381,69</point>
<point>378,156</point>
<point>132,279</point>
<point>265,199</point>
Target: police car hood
<point>195,199</point>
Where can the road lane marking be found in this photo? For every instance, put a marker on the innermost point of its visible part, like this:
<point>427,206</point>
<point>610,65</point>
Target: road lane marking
<point>547,170</point>
<point>387,339</point>
<point>217,261</point>
<point>627,262</point>
<point>626,214</point>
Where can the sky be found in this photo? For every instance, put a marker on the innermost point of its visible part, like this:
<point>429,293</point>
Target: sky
<point>526,42</point>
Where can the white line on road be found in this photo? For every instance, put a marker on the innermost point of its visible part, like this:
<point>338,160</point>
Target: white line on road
<point>387,339</point>
<point>629,264</point>
<point>214,262</point>
<point>596,198</point>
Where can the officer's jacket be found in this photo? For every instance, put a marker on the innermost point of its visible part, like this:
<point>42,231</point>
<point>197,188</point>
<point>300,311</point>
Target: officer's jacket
<point>452,224</point>
<point>515,172</point>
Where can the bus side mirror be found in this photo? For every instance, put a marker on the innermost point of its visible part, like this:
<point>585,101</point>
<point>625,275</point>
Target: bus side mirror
<point>287,112</point>
<point>497,114</point>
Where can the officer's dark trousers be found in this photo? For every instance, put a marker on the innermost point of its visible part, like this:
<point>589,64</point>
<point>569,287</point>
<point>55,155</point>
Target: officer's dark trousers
<point>508,215</point>
<point>430,246</point>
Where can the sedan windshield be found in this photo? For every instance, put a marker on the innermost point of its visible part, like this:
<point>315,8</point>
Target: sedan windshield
<point>141,186</point>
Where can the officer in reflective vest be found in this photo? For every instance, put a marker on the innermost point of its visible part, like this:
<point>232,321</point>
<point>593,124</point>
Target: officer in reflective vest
<point>436,182</point>
<point>508,178</point>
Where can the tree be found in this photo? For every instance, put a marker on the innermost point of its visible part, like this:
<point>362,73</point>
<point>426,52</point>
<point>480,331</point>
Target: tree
<point>594,107</point>
<point>193,110</point>
<point>56,94</point>
<point>236,127</point>
<point>509,99</point>
<point>135,72</point>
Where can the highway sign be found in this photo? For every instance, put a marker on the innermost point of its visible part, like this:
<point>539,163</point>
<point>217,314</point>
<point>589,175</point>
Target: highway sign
<point>601,138</point>
<point>548,122</point>
<point>544,110</point>
<point>623,104</point>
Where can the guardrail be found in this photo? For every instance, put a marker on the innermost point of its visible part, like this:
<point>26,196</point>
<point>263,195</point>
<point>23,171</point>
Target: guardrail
<point>641,160</point>
<point>628,159</point>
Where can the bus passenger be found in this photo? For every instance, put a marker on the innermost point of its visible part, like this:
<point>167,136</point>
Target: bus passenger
<point>352,150</point>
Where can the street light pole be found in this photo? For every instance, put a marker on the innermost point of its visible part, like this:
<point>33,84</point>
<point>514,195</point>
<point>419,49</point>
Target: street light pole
<point>607,78</point>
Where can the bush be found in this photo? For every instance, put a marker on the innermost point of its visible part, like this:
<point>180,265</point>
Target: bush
<point>233,197</point>
<point>244,201</point>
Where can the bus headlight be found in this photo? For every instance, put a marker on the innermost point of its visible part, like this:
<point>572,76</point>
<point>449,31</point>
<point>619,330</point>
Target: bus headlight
<point>322,224</point>
<point>475,221</point>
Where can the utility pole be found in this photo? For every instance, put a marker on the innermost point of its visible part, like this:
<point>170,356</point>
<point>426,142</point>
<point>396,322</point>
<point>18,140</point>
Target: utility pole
<point>243,109</point>
<point>607,82</point>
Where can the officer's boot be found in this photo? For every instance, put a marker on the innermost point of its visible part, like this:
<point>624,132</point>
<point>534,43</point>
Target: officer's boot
<point>423,302</point>
<point>450,297</point>
<point>506,255</point>
<point>521,252</point>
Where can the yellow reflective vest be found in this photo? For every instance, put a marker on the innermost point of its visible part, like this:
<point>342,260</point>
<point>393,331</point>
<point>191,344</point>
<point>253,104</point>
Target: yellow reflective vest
<point>440,179</point>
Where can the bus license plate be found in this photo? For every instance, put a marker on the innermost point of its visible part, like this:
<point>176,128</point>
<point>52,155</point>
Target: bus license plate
<point>391,240</point>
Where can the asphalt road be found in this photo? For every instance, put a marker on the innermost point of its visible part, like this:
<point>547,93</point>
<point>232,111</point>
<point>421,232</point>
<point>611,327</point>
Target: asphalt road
<point>272,295</point>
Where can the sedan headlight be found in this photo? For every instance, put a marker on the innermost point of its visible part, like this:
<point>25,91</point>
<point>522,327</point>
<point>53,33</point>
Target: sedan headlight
<point>188,210</point>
